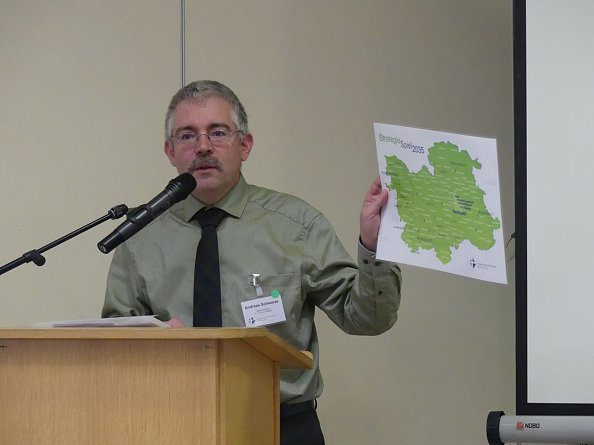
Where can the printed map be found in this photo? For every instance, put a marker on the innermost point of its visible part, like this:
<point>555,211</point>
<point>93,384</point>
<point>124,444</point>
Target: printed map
<point>437,215</point>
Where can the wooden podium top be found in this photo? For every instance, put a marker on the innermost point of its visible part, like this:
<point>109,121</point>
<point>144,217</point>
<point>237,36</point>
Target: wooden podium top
<point>269,344</point>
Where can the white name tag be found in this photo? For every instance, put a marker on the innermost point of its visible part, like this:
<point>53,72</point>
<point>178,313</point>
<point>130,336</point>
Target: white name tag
<point>263,311</point>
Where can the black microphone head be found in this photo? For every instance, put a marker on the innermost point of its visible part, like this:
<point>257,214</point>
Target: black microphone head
<point>183,185</point>
<point>176,190</point>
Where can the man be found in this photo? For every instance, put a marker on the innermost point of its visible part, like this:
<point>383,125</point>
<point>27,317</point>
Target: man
<point>269,243</point>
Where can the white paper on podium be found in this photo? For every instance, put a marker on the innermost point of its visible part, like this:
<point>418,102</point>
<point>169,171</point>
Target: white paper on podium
<point>120,322</point>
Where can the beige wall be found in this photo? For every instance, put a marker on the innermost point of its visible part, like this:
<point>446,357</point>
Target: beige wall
<point>84,86</point>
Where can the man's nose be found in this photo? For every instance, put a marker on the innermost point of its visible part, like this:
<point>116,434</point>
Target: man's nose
<point>203,143</point>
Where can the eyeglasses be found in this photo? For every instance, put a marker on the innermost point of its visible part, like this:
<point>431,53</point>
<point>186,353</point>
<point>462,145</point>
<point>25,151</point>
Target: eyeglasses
<point>217,137</point>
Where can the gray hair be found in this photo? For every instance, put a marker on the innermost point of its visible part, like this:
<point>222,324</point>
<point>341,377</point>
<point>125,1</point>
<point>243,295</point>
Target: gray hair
<point>200,91</point>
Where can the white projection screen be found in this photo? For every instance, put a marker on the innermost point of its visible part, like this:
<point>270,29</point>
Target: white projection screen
<point>554,156</point>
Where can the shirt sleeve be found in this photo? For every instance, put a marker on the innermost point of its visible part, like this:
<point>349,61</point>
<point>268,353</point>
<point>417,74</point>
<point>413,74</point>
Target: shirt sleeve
<point>362,298</point>
<point>124,295</point>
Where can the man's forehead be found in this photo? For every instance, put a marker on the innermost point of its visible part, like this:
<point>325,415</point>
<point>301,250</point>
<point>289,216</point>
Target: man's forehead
<point>210,108</point>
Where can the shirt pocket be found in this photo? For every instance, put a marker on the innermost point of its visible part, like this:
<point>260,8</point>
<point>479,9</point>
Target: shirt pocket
<point>288,286</point>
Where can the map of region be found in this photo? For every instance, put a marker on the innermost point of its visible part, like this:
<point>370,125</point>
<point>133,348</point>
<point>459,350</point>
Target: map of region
<point>442,209</point>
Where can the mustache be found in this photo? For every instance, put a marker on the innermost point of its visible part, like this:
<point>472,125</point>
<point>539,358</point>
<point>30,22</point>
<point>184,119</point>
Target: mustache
<point>205,161</point>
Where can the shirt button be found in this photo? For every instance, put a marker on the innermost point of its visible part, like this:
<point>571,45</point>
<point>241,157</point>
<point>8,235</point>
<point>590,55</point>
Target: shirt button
<point>377,263</point>
<point>365,261</point>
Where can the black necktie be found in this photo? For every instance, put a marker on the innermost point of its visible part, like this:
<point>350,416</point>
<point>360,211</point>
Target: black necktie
<point>207,275</point>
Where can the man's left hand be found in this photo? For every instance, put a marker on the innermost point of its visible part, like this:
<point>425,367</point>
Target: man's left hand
<point>370,214</point>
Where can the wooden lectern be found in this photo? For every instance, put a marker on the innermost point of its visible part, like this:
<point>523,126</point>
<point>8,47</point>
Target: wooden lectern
<point>142,386</point>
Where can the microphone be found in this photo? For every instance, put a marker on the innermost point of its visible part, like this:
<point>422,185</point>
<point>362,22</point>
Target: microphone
<point>177,190</point>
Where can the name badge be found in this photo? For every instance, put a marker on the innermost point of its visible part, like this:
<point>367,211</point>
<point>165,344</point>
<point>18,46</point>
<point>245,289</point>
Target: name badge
<point>263,311</point>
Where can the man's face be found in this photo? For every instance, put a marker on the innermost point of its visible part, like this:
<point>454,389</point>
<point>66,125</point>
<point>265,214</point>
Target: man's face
<point>215,168</point>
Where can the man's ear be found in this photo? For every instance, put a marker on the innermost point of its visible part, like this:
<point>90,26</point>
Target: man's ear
<point>168,149</point>
<point>246,146</point>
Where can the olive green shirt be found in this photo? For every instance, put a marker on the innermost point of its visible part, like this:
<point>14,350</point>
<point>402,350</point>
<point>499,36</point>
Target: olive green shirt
<point>293,248</point>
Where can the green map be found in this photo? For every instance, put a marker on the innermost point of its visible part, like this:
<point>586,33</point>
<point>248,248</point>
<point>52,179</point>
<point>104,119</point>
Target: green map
<point>441,209</point>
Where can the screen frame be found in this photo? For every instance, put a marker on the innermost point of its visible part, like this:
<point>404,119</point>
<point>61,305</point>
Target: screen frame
<point>523,407</point>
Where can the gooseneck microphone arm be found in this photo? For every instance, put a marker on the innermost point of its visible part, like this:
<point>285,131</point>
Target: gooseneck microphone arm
<point>36,256</point>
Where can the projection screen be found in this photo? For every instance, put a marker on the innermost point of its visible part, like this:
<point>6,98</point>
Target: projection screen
<point>554,143</point>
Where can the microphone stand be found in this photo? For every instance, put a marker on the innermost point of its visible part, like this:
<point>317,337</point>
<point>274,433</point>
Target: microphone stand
<point>36,256</point>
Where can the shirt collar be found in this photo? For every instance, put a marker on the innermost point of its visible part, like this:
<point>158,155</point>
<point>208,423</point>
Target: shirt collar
<point>233,202</point>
